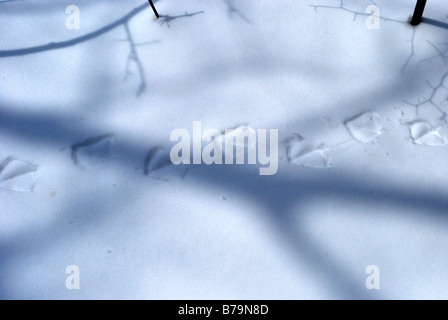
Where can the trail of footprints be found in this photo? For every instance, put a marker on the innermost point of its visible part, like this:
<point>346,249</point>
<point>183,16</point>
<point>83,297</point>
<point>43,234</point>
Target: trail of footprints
<point>363,128</point>
<point>18,175</point>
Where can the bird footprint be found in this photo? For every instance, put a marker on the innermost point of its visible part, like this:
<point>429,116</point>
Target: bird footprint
<point>91,150</point>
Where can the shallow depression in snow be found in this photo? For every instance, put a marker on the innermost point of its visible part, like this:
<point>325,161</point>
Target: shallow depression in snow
<point>17,175</point>
<point>307,153</point>
<point>426,134</point>
<point>364,127</point>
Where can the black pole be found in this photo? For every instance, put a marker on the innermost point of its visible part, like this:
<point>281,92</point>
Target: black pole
<point>418,13</point>
<point>155,10</point>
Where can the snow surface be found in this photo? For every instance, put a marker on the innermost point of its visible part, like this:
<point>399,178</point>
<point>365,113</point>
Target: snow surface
<point>84,138</point>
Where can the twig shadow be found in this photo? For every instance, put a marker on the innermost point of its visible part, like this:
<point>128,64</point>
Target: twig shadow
<point>232,11</point>
<point>167,19</point>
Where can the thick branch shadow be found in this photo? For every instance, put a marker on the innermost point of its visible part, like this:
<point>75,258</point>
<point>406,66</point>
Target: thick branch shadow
<point>435,23</point>
<point>62,133</point>
<point>69,43</point>
<point>279,194</point>
<point>84,209</point>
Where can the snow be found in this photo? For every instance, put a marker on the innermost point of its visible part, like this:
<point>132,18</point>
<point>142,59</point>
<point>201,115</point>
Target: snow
<point>85,135</point>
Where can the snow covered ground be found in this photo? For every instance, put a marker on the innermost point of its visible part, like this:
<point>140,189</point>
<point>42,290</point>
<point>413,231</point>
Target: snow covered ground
<point>362,171</point>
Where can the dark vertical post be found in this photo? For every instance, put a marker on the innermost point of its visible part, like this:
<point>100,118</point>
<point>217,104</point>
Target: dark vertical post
<point>418,13</point>
<point>155,10</point>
